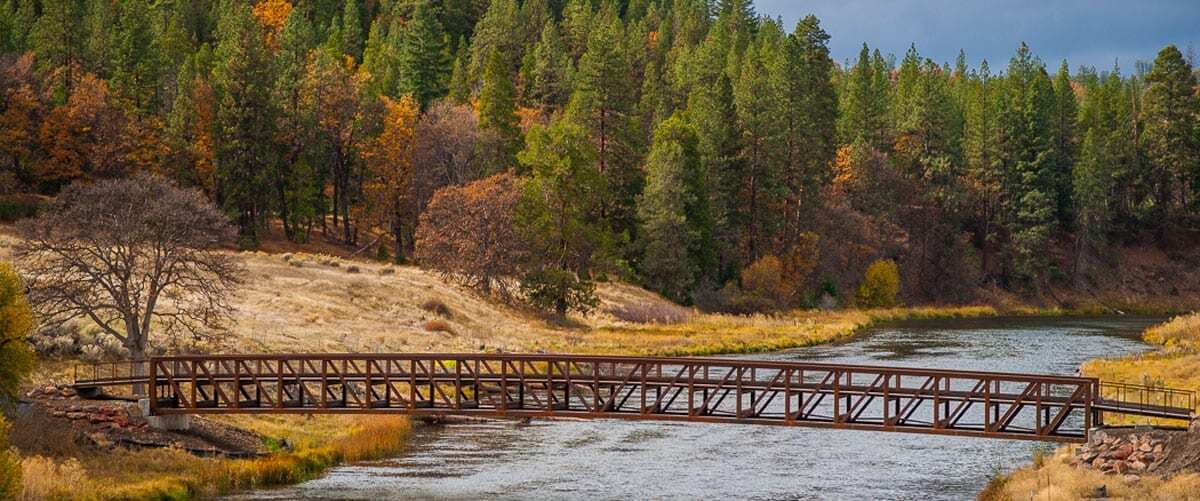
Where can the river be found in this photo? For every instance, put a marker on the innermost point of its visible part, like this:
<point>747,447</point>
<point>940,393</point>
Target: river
<point>639,460</point>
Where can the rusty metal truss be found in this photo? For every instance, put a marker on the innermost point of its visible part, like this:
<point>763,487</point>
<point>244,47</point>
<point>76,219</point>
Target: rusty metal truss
<point>714,390</point>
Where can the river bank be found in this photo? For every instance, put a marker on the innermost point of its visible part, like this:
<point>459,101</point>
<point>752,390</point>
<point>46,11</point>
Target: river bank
<point>1174,363</point>
<point>317,444</point>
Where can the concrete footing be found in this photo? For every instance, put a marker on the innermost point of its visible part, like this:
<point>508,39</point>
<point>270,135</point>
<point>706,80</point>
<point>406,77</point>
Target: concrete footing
<point>174,422</point>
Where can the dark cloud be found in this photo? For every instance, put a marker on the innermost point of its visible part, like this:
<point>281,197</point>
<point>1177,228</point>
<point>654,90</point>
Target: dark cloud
<point>1085,32</point>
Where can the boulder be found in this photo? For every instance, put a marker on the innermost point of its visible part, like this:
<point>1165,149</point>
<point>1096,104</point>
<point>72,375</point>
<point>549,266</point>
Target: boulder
<point>1122,452</point>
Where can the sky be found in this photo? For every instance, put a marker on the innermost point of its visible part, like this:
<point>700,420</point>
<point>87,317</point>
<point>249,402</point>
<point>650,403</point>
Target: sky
<point>1085,32</point>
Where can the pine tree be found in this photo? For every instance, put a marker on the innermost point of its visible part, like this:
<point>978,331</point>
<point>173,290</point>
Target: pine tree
<point>351,33</point>
<point>244,128</point>
<point>802,79</point>
<point>292,180</point>
<point>1172,143</point>
<point>1092,183</point>
<point>135,58</point>
<point>550,84</point>
<point>603,103</point>
<point>1027,156</point>
<point>759,190</point>
<point>380,56</point>
<point>58,45</point>
<point>1065,140</point>
<point>676,226</point>
<point>576,26</point>
<point>460,83</point>
<point>498,114</point>
<point>496,32</point>
<point>422,66</point>
<point>864,106</point>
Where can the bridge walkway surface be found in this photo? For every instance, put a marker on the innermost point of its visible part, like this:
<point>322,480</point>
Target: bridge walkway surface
<point>693,389</point>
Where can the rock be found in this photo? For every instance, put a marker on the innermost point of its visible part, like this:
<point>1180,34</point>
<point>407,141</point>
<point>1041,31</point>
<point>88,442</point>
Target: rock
<point>1158,449</point>
<point>1122,452</point>
<point>1133,479</point>
<point>1145,447</point>
<point>1137,466</point>
<point>76,415</point>
<point>1098,463</point>
<point>58,414</point>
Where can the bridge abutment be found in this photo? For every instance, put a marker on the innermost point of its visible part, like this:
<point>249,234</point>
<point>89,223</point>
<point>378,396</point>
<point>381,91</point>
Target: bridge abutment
<point>174,422</point>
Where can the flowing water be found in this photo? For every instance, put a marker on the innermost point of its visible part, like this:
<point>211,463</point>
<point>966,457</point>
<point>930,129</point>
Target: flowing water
<point>640,460</point>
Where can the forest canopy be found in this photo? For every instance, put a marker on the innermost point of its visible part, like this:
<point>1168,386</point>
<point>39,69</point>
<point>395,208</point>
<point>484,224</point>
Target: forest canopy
<point>693,146</point>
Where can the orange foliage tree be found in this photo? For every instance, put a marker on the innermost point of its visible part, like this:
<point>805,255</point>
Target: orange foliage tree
<point>467,234</point>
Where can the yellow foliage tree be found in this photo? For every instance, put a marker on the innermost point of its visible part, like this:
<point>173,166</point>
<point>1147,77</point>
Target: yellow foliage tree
<point>272,14</point>
<point>16,324</point>
<point>880,285</point>
<point>388,158</point>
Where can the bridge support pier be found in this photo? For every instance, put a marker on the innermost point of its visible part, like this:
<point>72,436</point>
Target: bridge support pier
<point>174,422</point>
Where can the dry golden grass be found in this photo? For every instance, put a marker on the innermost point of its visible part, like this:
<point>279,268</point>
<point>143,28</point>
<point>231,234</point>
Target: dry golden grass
<point>1057,480</point>
<point>316,443</point>
<point>304,302</point>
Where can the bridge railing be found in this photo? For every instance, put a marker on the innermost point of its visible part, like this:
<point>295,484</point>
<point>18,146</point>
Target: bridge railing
<point>795,393</point>
<point>1147,396</point>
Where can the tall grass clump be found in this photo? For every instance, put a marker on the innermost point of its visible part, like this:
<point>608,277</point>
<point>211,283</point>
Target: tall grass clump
<point>1181,332</point>
<point>10,465</point>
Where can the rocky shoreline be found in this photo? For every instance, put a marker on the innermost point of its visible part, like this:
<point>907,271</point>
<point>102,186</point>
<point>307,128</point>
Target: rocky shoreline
<point>105,424</point>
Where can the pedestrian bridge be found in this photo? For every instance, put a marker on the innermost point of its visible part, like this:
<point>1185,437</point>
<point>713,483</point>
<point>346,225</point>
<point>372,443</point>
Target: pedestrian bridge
<point>687,389</point>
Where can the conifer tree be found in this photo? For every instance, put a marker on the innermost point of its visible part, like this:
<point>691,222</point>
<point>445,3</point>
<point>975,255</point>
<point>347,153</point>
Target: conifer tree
<point>759,192</point>
<point>1027,156</point>
<point>135,57</point>
<point>58,45</point>
<point>550,84</point>
<point>496,32</point>
<point>1172,144</point>
<point>1066,109</point>
<point>673,213</point>
<point>864,111</point>
<point>460,82</point>
<point>422,67</point>
<point>244,122</point>
<point>603,103</point>
<point>498,114</point>
<point>351,30</point>
<point>802,79</point>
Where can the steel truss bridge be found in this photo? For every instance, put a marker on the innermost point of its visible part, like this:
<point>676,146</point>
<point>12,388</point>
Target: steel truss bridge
<point>710,390</point>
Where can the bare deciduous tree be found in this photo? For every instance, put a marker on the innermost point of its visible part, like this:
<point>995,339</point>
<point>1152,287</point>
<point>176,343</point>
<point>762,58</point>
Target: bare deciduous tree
<point>132,255</point>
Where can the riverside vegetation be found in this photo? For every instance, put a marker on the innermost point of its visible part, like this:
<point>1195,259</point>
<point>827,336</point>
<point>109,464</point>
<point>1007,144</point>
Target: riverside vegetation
<point>1174,364</point>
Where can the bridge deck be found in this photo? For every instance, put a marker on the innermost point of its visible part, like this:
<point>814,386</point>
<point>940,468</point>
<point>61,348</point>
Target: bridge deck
<point>971,403</point>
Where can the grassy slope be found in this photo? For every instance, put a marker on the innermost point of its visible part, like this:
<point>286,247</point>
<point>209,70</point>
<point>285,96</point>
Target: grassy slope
<point>1176,364</point>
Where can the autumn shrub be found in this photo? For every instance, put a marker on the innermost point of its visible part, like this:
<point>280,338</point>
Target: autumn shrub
<point>658,312</point>
<point>467,234</point>
<point>45,478</point>
<point>880,285</point>
<point>438,325</point>
<point>763,286</point>
<point>437,307</point>
<point>559,290</point>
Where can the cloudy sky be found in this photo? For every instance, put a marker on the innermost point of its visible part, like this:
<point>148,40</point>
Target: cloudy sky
<point>1087,32</point>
